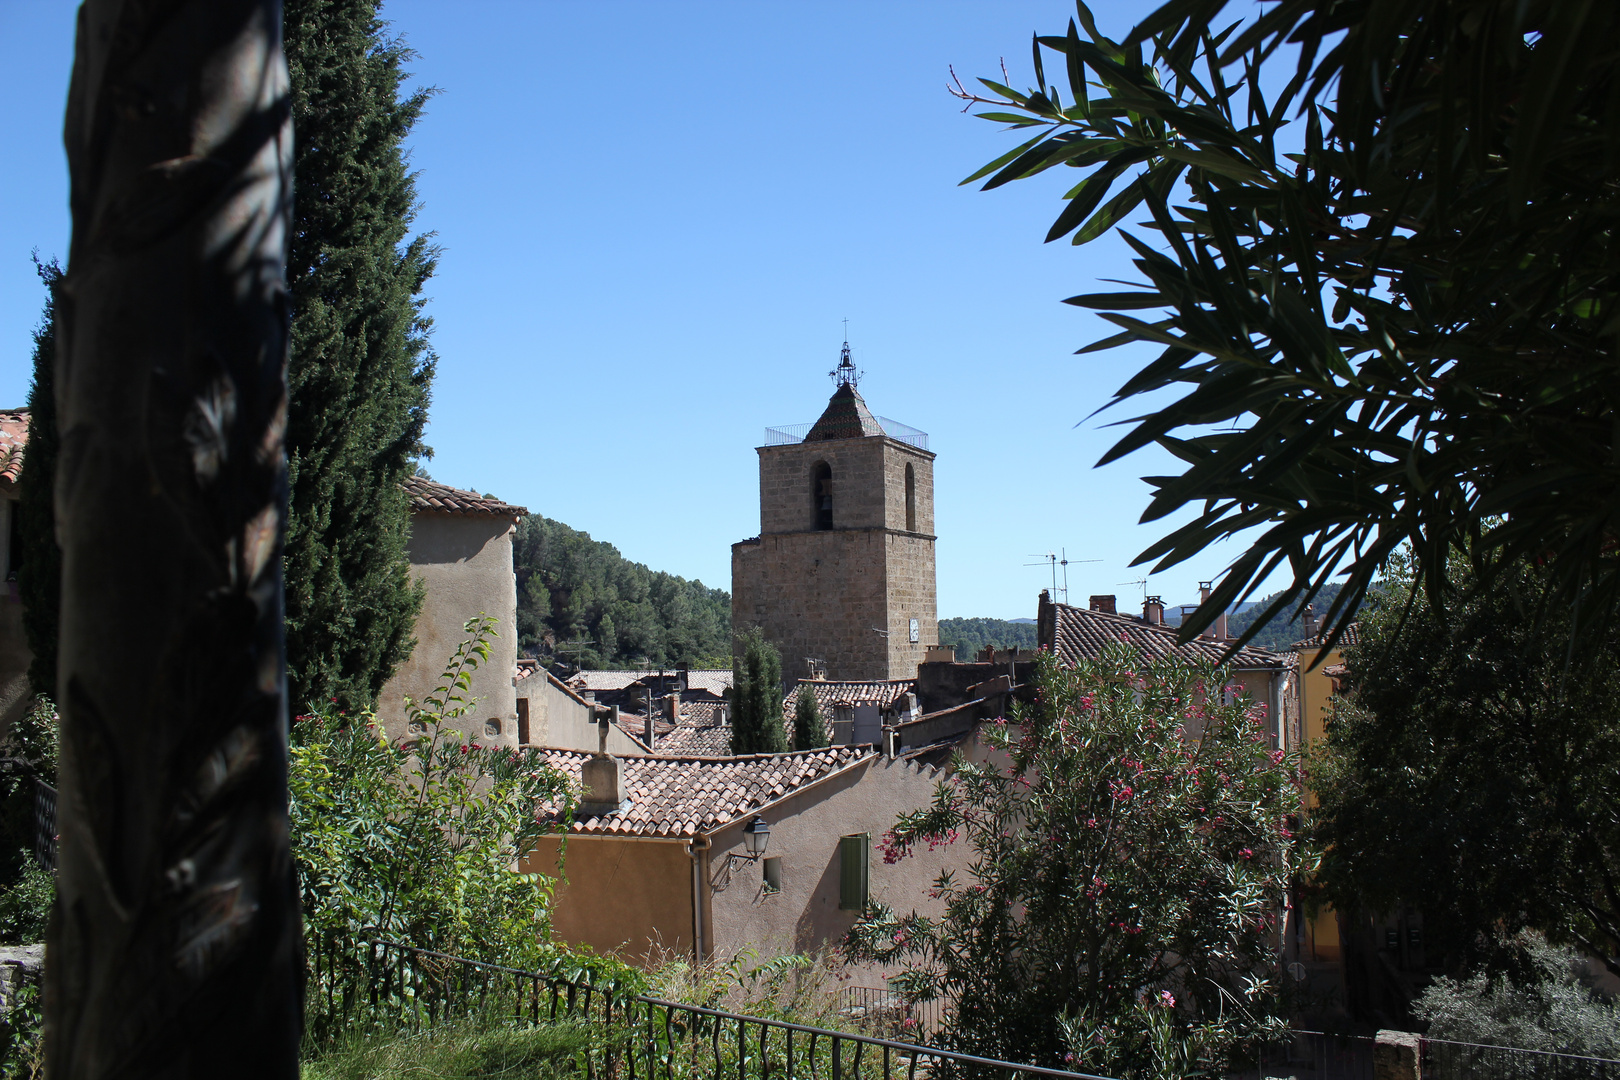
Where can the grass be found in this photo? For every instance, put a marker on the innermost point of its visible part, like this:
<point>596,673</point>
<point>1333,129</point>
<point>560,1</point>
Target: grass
<point>466,1050</point>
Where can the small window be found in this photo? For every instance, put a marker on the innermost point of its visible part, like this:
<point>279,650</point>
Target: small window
<point>911,499</point>
<point>523,721</point>
<point>821,503</point>
<point>853,853</point>
<point>773,874</point>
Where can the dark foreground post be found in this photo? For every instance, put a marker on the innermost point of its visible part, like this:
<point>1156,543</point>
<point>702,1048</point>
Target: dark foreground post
<point>174,946</point>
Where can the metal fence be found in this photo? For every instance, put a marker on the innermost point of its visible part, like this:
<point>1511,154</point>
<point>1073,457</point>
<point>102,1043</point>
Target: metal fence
<point>889,1012</point>
<point>640,1037</point>
<point>1313,1055</point>
<point>788,434</point>
<point>1447,1060</point>
<point>45,825</point>
<point>1317,1055</point>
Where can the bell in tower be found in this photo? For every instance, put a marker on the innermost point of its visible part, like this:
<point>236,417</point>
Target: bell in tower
<point>842,571</point>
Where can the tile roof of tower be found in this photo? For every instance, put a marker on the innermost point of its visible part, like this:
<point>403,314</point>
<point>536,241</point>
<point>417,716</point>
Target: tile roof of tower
<point>685,796</point>
<point>847,417</point>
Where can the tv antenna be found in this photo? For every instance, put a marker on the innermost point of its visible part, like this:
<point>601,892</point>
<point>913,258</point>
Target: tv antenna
<point>1142,581</point>
<point>1052,559</point>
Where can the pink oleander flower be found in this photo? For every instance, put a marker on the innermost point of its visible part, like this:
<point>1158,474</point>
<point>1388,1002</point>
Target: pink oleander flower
<point>1167,999</point>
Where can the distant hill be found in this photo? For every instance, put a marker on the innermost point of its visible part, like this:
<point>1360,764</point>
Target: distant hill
<point>1283,629</point>
<point>971,635</point>
<point>575,589</point>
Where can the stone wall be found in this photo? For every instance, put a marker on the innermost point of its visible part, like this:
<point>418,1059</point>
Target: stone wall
<point>845,595</point>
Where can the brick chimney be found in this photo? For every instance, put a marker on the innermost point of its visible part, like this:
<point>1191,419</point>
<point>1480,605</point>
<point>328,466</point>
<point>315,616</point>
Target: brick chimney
<point>1104,604</point>
<point>1153,610</point>
<point>672,708</point>
<point>601,775</point>
<point>1311,626</point>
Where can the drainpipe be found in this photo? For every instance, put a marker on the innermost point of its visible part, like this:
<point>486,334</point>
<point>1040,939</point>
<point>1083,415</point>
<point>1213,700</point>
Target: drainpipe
<point>699,844</point>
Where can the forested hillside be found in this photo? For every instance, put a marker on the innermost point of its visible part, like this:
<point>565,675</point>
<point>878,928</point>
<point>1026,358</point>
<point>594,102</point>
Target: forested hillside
<point>575,589</point>
<point>1284,629</point>
<point>971,635</point>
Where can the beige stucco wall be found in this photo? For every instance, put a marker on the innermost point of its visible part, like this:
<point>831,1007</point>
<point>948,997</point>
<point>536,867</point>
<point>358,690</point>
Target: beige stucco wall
<point>466,563</point>
<point>634,897</point>
<point>15,655</point>
<point>623,896</point>
<point>805,829</point>
<point>558,718</point>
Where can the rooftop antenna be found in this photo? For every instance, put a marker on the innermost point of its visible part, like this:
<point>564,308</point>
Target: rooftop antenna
<point>1049,558</point>
<point>845,374</point>
<point>1064,562</point>
<point>1142,581</point>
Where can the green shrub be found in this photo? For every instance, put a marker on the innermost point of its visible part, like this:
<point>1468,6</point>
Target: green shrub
<point>1548,1006</point>
<point>415,840</point>
<point>1118,908</point>
<point>25,907</point>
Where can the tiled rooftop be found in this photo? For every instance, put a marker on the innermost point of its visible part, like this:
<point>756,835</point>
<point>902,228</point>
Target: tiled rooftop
<point>706,740</point>
<point>13,438</point>
<point>881,693</point>
<point>715,682</point>
<point>1082,633</point>
<point>432,497</point>
<point>684,796</point>
<point>1351,636</point>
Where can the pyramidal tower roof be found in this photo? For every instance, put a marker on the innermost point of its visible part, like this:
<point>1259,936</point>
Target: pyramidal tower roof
<point>847,416</point>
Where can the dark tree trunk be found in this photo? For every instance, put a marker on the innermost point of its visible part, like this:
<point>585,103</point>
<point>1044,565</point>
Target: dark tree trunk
<point>174,946</point>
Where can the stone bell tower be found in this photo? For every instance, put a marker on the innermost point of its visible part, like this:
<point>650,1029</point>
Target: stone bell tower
<point>842,571</point>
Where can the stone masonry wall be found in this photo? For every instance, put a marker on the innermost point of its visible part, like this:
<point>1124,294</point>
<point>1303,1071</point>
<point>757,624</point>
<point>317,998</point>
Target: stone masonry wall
<point>815,594</point>
<point>823,593</point>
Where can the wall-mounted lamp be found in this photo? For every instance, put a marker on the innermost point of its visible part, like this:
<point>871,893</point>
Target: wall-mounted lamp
<point>756,836</point>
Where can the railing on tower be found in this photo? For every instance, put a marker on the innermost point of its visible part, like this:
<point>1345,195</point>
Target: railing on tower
<point>789,434</point>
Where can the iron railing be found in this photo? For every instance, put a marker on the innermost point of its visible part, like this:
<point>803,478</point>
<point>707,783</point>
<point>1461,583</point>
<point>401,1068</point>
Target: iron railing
<point>788,434</point>
<point>1326,1056</point>
<point>887,1010</point>
<point>640,1037</point>
<point>1444,1059</point>
<point>45,825</point>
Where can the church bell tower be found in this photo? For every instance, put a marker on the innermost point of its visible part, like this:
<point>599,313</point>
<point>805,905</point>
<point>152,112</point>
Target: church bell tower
<point>841,574</point>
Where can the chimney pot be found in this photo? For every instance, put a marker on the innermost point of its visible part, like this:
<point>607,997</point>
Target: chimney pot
<point>1153,610</point>
<point>601,774</point>
<point>1107,604</point>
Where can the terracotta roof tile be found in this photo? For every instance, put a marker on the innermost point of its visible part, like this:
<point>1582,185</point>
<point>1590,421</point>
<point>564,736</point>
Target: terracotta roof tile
<point>882,693</point>
<point>705,740</point>
<point>1351,636</point>
<point>684,796</point>
<point>604,680</point>
<point>431,497</point>
<point>13,438</point>
<point>716,682</point>
<point>1082,633</point>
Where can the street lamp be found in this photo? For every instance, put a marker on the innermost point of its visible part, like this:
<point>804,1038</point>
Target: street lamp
<point>756,834</point>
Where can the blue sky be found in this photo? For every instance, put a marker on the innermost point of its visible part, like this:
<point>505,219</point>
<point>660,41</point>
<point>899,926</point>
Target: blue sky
<point>654,218</point>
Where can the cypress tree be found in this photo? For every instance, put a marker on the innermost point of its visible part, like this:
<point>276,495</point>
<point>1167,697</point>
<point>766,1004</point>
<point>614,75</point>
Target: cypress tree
<point>756,721</point>
<point>809,731</point>
<point>40,578</point>
<point>361,366</point>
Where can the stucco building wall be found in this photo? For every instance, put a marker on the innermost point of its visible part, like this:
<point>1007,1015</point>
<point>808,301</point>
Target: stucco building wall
<point>558,717</point>
<point>15,655</point>
<point>630,897</point>
<point>634,896</point>
<point>465,561</point>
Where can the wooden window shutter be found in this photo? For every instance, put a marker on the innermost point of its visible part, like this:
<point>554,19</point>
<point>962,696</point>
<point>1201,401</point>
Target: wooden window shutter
<point>853,858</point>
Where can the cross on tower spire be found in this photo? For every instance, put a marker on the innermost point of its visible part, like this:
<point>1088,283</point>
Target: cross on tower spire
<point>845,374</point>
